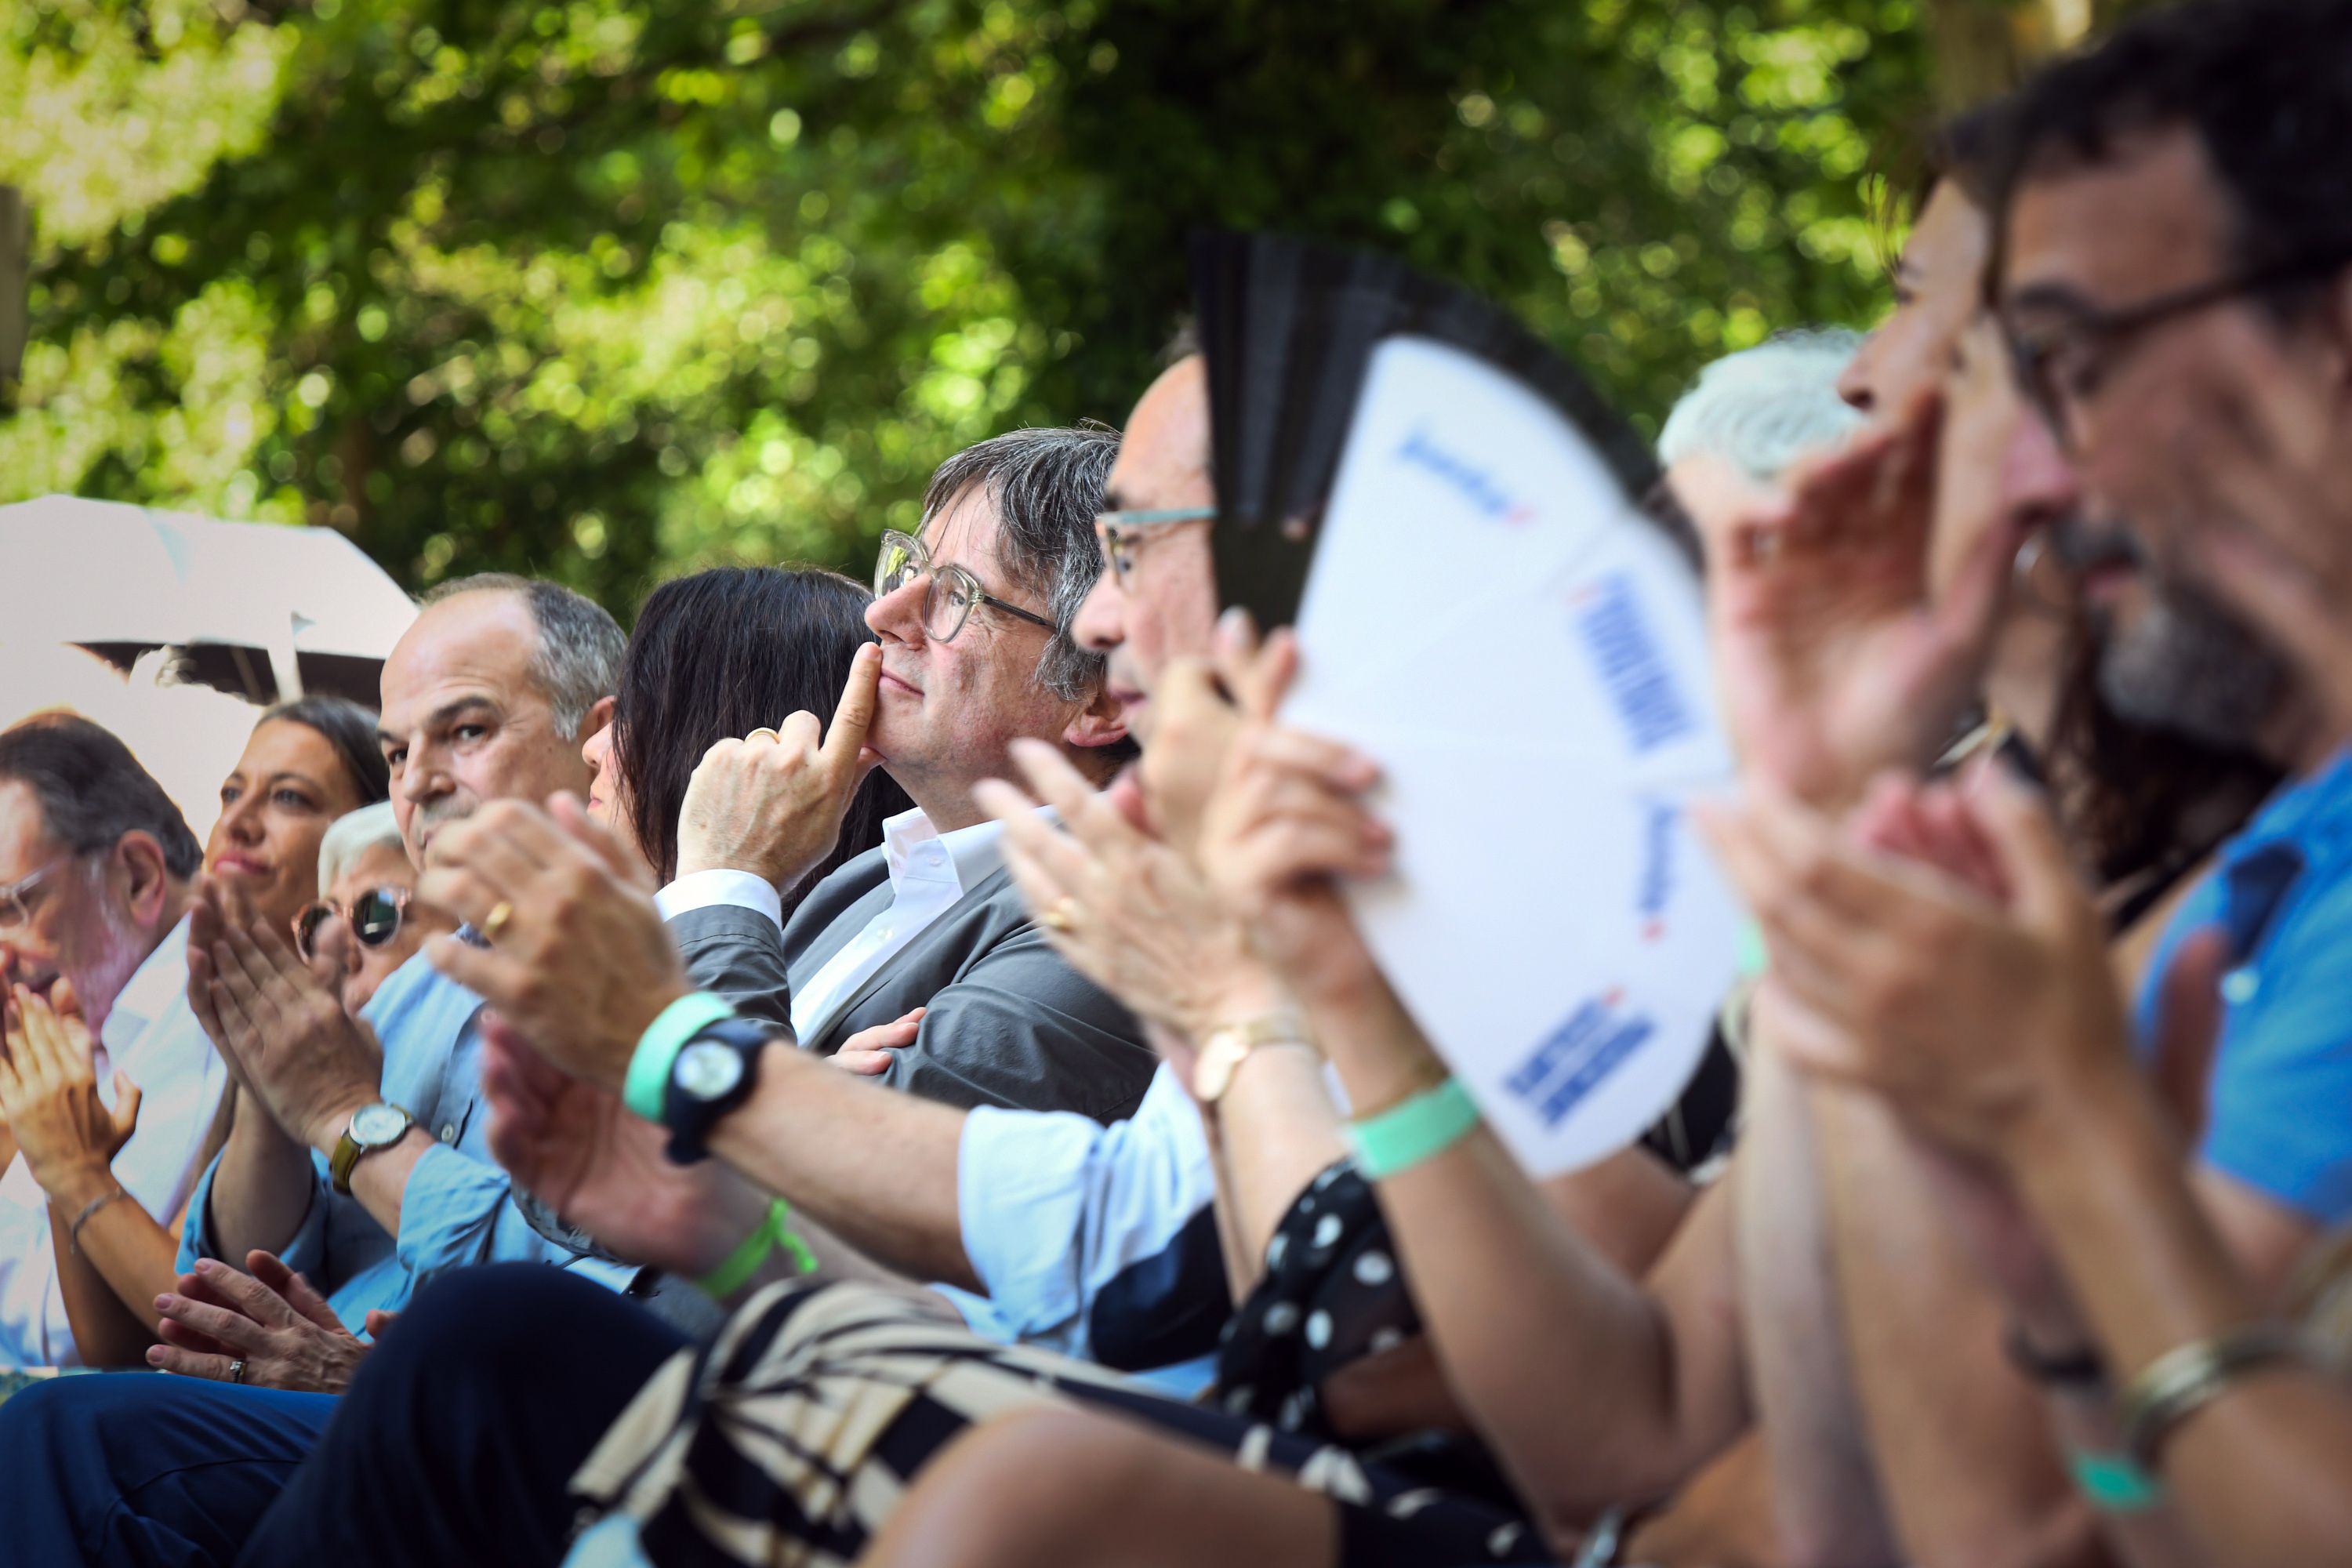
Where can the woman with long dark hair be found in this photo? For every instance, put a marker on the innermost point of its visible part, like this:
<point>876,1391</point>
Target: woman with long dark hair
<point>715,657</point>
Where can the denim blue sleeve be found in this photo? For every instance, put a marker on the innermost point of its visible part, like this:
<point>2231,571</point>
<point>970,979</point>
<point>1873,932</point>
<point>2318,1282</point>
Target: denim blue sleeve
<point>456,1211</point>
<point>2283,1075</point>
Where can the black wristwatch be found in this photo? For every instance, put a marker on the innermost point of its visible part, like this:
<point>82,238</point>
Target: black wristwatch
<point>713,1073</point>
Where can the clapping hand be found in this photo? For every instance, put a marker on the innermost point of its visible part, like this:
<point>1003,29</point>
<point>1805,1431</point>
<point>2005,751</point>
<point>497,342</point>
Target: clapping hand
<point>48,1094</point>
<point>581,963</point>
<point>269,1328</point>
<point>1979,1018</point>
<point>1126,910</point>
<point>1832,660</point>
<point>772,802</point>
<point>1287,818</point>
<point>279,1023</point>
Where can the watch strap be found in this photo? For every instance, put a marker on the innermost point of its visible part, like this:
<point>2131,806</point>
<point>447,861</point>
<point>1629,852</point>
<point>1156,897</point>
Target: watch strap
<point>692,1118</point>
<point>349,1149</point>
<point>1228,1045</point>
<point>647,1085</point>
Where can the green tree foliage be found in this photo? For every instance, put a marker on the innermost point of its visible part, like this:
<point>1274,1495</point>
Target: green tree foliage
<point>601,288</point>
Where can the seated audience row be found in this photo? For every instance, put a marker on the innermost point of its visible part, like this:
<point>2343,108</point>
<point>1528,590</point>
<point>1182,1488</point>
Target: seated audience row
<point>1173,1248</point>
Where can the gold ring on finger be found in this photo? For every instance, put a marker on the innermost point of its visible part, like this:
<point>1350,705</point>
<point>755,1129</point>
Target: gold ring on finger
<point>764,733</point>
<point>1062,915</point>
<point>496,921</point>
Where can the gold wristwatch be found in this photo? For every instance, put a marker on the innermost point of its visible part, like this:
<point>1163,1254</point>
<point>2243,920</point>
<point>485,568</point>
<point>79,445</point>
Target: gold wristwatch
<point>1229,1044</point>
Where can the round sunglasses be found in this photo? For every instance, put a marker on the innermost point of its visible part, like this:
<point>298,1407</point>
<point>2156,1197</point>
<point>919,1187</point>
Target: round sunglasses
<point>374,918</point>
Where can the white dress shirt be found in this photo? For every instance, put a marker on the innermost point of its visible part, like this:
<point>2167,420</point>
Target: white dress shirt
<point>930,871</point>
<point>152,1036</point>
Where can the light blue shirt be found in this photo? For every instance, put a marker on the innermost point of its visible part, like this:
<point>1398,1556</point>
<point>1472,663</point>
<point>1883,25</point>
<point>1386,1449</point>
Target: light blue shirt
<point>1096,1241</point>
<point>458,1207</point>
<point>2283,1076</point>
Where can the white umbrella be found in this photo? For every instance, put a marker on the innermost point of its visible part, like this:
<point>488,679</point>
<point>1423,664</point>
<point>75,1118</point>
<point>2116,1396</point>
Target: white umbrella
<point>102,572</point>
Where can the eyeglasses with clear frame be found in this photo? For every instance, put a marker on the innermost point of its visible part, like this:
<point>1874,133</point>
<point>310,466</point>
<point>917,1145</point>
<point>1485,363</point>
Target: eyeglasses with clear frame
<point>2061,362</point>
<point>374,917</point>
<point>14,912</point>
<point>950,594</point>
<point>1121,532</point>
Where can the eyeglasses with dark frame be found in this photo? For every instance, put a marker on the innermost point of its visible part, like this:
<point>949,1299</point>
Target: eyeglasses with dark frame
<point>1120,531</point>
<point>948,597</point>
<point>14,912</point>
<point>374,917</point>
<point>2063,362</point>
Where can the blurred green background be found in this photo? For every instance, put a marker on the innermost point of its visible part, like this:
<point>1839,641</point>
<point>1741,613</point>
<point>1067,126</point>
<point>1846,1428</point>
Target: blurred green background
<point>603,290</point>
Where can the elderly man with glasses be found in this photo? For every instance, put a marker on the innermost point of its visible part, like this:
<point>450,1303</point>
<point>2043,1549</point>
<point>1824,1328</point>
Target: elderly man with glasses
<point>973,613</point>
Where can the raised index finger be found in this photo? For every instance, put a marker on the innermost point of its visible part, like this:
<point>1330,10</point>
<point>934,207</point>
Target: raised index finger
<point>854,716</point>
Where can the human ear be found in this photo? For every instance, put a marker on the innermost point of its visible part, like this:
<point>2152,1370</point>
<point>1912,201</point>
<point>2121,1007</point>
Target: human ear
<point>145,878</point>
<point>1098,723</point>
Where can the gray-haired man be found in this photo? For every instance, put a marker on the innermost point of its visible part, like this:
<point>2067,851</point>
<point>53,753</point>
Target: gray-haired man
<point>373,1174</point>
<point>974,619</point>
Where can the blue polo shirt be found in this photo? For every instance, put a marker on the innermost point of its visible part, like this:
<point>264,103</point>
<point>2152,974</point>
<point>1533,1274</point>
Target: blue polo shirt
<point>2281,1098</point>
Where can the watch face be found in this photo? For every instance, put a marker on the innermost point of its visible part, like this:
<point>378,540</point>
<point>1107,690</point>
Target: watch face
<point>707,1070</point>
<point>377,1124</point>
<point>1213,1072</point>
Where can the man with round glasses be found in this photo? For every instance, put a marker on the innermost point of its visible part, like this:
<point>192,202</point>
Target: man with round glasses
<point>974,615</point>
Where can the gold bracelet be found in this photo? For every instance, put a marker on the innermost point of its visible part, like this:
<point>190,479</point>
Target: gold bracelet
<point>2179,1382</point>
<point>73,1231</point>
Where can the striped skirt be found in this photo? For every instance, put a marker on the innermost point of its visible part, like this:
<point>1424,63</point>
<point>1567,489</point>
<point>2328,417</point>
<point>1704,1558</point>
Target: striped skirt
<point>786,1441</point>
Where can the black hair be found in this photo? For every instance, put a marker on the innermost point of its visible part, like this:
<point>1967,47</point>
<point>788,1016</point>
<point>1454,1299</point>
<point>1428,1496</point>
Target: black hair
<point>718,654</point>
<point>92,791</point>
<point>2265,85</point>
<point>350,730</point>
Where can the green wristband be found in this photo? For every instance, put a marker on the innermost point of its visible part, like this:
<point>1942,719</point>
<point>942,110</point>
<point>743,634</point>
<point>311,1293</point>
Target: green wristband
<point>736,1270</point>
<point>2112,1483</point>
<point>647,1084</point>
<point>1421,1128</point>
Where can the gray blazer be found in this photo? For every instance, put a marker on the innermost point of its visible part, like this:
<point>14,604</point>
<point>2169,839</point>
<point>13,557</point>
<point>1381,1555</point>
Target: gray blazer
<point>1009,1024</point>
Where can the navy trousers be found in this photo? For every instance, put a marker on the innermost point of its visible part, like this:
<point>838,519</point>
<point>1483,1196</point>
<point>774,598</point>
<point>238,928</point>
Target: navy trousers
<point>453,1445</point>
<point>141,1469</point>
<point>457,1439</point>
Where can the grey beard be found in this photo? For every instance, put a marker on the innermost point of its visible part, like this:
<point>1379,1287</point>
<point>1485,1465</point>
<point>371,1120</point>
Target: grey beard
<point>2191,667</point>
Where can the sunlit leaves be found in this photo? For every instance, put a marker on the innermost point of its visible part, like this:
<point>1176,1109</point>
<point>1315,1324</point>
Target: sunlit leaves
<point>606,288</point>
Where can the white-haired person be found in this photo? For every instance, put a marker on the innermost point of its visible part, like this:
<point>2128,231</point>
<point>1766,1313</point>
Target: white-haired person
<point>1761,409</point>
<point>364,924</point>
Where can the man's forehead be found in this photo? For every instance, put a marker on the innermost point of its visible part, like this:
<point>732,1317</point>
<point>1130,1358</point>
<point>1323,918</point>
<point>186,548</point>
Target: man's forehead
<point>1163,457</point>
<point>477,644</point>
<point>2146,219</point>
<point>964,531</point>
